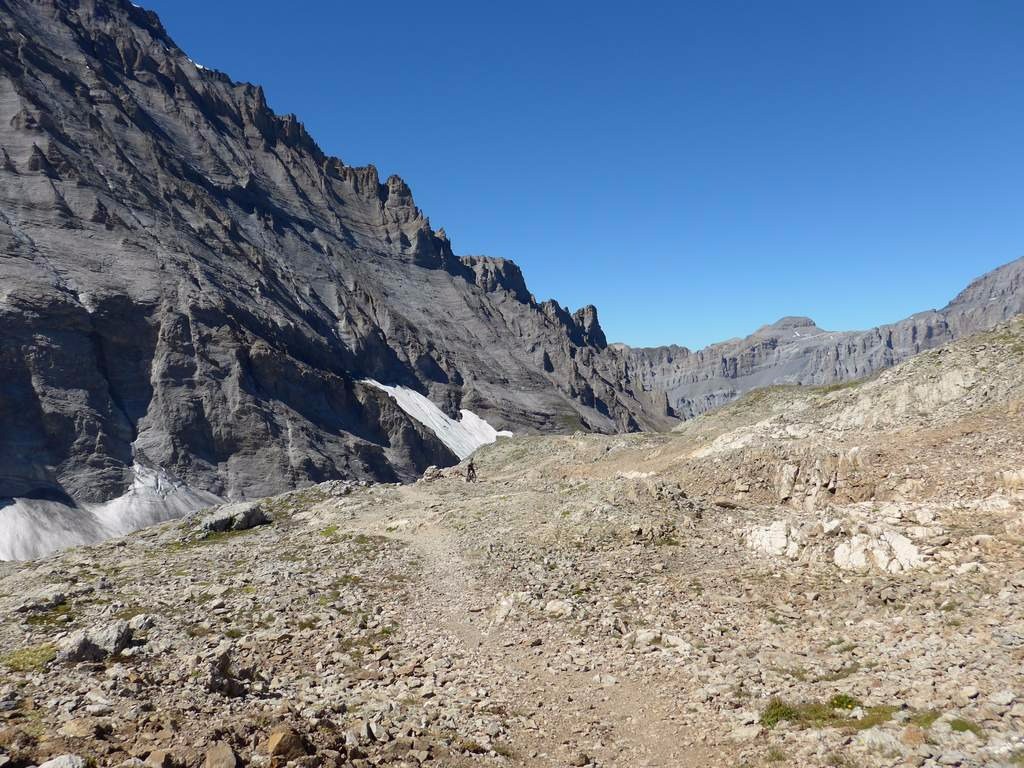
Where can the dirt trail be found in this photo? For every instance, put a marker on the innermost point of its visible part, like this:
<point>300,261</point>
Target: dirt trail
<point>575,714</point>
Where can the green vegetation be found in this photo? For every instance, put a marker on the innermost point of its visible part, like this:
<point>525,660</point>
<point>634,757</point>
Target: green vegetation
<point>843,701</point>
<point>129,613</point>
<point>775,755</point>
<point>31,659</point>
<point>503,749</point>
<point>206,540</point>
<point>59,614</point>
<point>959,725</point>
<point>926,719</point>
<point>824,714</point>
<point>293,501</point>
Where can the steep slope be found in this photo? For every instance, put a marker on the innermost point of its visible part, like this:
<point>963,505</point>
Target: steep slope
<point>795,351</point>
<point>188,284</point>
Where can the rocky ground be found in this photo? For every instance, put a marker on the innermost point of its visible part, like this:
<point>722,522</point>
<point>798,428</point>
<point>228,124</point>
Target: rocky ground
<point>809,577</point>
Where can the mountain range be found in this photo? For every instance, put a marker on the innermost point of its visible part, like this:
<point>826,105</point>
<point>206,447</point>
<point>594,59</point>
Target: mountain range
<point>197,303</point>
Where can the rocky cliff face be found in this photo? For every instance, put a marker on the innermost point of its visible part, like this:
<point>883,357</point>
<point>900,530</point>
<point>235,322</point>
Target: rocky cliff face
<point>189,284</point>
<point>795,351</point>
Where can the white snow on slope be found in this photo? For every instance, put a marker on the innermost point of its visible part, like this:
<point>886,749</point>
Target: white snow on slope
<point>462,437</point>
<point>31,528</point>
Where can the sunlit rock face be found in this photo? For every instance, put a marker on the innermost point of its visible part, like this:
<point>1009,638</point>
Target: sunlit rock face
<point>190,285</point>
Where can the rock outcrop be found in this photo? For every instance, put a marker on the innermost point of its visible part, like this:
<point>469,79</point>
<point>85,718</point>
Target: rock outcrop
<point>794,350</point>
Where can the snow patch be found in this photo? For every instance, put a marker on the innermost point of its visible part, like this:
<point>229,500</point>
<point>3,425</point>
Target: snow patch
<point>31,528</point>
<point>462,437</point>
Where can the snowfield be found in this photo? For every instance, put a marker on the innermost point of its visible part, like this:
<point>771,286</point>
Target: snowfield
<point>31,528</point>
<point>462,437</point>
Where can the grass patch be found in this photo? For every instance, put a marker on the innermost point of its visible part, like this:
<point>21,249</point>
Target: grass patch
<point>775,755</point>
<point>60,614</point>
<point>129,613</point>
<point>959,725</point>
<point>827,714</point>
<point>202,540</point>
<point>926,719</point>
<point>503,749</point>
<point>843,701</point>
<point>31,659</point>
<point>777,711</point>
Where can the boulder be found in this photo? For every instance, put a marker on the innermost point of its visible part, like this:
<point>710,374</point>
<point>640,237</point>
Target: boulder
<point>889,552</point>
<point>558,608</point>
<point>95,644</point>
<point>285,744</point>
<point>221,755</point>
<point>239,516</point>
<point>64,761</point>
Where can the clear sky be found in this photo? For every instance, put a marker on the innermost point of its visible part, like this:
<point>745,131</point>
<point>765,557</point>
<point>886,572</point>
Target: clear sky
<point>695,169</point>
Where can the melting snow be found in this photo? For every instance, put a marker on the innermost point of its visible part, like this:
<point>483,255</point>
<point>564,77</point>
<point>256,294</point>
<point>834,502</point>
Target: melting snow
<point>31,527</point>
<point>462,437</point>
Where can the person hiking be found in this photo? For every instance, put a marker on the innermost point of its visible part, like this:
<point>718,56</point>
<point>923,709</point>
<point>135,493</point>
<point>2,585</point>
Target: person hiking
<point>470,472</point>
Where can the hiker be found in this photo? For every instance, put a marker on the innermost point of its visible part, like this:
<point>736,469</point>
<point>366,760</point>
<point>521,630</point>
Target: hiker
<point>470,472</point>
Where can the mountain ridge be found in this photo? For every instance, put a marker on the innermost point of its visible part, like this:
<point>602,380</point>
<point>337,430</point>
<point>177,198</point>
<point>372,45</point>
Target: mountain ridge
<point>794,350</point>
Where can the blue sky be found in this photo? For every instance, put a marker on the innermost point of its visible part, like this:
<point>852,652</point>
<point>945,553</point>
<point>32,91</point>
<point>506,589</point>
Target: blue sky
<point>694,169</point>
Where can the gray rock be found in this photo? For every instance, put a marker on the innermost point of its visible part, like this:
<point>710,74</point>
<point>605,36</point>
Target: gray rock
<point>44,600</point>
<point>65,761</point>
<point>240,516</point>
<point>558,608</point>
<point>95,644</point>
<point>1002,698</point>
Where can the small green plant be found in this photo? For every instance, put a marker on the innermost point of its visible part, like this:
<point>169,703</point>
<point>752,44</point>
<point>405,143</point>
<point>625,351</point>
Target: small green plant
<point>59,614</point>
<point>775,755</point>
<point>31,659</point>
<point>503,749</point>
<point>925,719</point>
<point>777,711</point>
<point>959,725</point>
<point>843,701</point>
<point>816,714</point>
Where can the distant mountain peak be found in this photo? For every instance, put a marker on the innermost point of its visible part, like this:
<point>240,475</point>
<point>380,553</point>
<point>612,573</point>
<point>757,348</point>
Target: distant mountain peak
<point>789,323</point>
